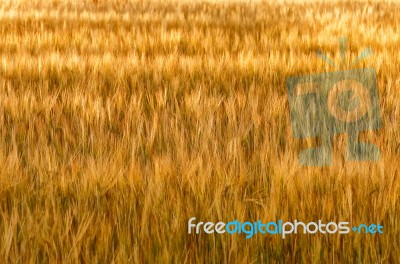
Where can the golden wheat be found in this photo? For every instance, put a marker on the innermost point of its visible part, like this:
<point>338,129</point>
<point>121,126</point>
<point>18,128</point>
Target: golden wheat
<point>120,120</point>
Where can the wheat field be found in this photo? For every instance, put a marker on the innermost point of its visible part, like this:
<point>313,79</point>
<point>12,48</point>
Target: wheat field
<point>120,120</point>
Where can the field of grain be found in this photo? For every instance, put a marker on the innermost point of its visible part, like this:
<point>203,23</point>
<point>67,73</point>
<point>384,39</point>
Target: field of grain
<point>120,120</point>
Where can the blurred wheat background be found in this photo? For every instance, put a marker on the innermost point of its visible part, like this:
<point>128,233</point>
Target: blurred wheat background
<point>120,120</point>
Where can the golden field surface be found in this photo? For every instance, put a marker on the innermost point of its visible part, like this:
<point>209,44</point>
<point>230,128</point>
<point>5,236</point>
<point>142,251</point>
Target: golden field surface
<point>121,120</point>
